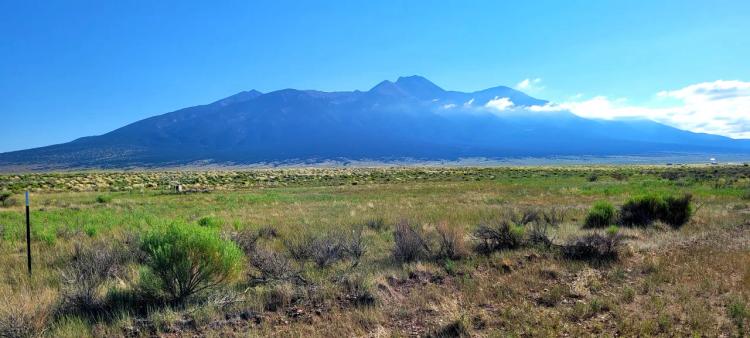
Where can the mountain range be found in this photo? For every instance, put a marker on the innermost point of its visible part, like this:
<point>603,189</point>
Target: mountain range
<point>411,118</point>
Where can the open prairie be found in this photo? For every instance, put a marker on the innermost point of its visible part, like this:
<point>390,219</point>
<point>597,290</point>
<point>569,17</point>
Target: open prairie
<point>528,251</point>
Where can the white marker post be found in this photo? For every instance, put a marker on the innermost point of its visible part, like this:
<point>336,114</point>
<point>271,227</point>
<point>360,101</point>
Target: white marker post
<point>28,234</point>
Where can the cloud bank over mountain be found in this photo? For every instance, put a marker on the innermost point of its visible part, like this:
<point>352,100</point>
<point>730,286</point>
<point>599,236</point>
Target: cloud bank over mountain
<point>719,107</point>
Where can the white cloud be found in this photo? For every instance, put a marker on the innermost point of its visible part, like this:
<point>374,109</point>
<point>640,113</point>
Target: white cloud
<point>719,107</point>
<point>530,85</point>
<point>449,106</point>
<point>499,103</point>
<point>469,103</point>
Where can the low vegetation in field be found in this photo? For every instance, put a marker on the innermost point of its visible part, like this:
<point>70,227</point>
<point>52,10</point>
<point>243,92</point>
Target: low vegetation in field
<point>577,251</point>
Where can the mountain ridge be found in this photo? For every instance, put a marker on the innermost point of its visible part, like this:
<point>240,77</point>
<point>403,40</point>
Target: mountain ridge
<point>409,118</point>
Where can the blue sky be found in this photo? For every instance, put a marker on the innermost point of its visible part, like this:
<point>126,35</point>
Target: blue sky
<point>77,68</point>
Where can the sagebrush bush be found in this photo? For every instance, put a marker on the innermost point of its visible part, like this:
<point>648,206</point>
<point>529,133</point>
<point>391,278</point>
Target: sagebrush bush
<point>300,247</point>
<point>88,270</point>
<point>355,245</point>
<point>187,259</point>
<point>327,249</point>
<point>595,247</point>
<point>602,214</point>
<point>246,239</point>
<point>501,236</point>
<point>644,210</point>
<point>271,265</point>
<point>410,244</point>
<point>538,234</point>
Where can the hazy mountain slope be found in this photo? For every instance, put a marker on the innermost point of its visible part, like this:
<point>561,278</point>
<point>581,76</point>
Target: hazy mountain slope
<point>408,118</point>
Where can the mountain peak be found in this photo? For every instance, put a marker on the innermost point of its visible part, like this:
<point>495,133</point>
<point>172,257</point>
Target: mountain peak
<point>419,86</point>
<point>389,88</point>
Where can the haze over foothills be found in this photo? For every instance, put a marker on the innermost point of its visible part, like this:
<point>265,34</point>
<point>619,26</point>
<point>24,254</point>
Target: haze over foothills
<point>75,69</point>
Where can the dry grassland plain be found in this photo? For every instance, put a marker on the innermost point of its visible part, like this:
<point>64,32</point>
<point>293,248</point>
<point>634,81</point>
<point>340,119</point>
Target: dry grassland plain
<point>377,252</point>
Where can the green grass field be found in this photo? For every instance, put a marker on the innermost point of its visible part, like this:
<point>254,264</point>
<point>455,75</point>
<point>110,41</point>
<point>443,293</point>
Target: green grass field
<point>691,280</point>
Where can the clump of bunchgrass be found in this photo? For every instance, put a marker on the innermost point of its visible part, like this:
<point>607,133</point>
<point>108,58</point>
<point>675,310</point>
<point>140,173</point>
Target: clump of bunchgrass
<point>451,242</point>
<point>25,313</point>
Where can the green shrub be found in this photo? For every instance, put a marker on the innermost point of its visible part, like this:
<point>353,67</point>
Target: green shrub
<point>641,211</point>
<point>210,222</point>
<point>103,199</point>
<point>677,210</point>
<point>739,313</point>
<point>7,199</point>
<point>601,215</point>
<point>746,195</point>
<point>187,259</point>
<point>644,210</point>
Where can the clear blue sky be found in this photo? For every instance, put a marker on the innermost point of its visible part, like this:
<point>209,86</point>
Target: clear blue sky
<point>76,68</point>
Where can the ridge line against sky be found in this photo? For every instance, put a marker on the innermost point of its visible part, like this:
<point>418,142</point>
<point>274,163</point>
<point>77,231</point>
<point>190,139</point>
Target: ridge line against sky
<point>72,68</point>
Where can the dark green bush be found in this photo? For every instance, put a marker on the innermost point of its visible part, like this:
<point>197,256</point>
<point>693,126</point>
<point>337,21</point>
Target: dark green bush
<point>641,211</point>
<point>644,210</point>
<point>103,199</point>
<point>601,215</point>
<point>677,210</point>
<point>187,259</point>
